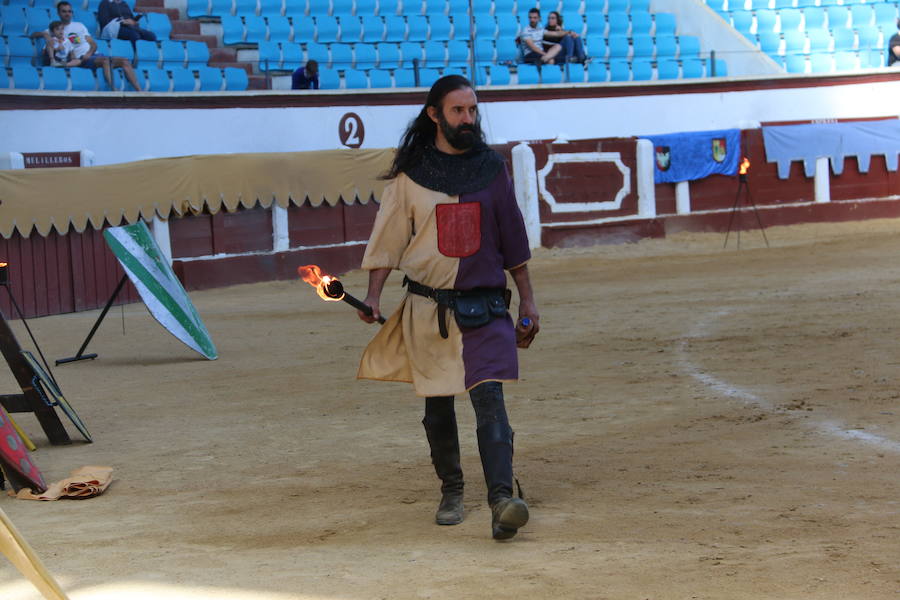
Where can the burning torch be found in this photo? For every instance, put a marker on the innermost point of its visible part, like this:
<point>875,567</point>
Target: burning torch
<point>331,289</point>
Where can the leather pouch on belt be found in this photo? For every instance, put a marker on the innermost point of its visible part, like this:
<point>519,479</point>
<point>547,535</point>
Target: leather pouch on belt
<point>477,310</point>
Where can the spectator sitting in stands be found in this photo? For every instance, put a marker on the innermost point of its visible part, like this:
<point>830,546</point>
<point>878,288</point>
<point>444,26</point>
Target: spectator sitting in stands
<point>118,22</point>
<point>572,48</point>
<point>894,48</point>
<point>306,78</point>
<point>537,50</point>
<point>84,48</point>
<point>59,50</point>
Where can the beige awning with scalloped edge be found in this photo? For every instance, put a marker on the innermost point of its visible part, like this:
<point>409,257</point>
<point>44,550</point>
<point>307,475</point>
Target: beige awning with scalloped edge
<point>41,199</point>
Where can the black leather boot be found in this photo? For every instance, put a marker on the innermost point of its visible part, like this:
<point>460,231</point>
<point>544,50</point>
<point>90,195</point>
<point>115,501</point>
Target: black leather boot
<point>508,514</point>
<point>444,442</point>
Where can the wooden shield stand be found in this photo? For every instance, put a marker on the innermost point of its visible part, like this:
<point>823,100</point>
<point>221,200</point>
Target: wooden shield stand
<point>29,400</point>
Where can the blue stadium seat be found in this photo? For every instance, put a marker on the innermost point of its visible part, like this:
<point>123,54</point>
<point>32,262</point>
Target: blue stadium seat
<point>435,54</point>
<point>21,51</point>
<point>500,75</point>
<point>814,17</point>
<point>291,56</point>
<point>440,27</point>
<point>318,8</point>
<point>770,42</point>
<point>395,29</point>
<point>845,61</point>
<point>36,19</point>
<point>365,8</point>
<point>457,70</point>
<point>838,16</point>
<point>639,5</point>
<point>821,63</point>
<point>245,8</point>
<point>766,20</point>
<point>232,30</point>
<point>318,52</point>
<point>844,38</point>
<point>4,54</point>
<point>619,70</point>
<point>872,59</point>
<point>355,79</point>
<point>364,56</point>
<point>380,78</point>
<point>503,7</point>
<point>742,20</point>
<point>551,74</point>
<point>869,38</point>
<point>341,8</point>
<point>458,53</point>
<point>885,15</point>
<point>596,47</point>
<point>326,29</point>
<point>147,53</point>
<point>221,8</point>
<point>54,78</point>
<point>481,76</point>
<point>432,7</point>
<point>159,24</point>
<point>388,55</point>
<point>575,73</point>
<point>255,30</point>
<point>528,74</point>
<point>172,53</point>
<point>485,26</point>
<point>410,51</point>
<point>642,45</point>
<point>791,19</point>
<point>389,7</point>
<point>269,56</point>
<point>595,22</point>
<point>484,50</point>
<point>121,49</point>
<point>665,23</point>
<point>157,80</point>
<point>235,79</point>
<point>795,63</point>
<point>619,23</point>
<point>721,68</point>
<point>417,27</point>
<point>404,78</point>
<point>641,22</point>
<point>668,69</point>
<point>198,9</point>
<point>861,14</point>
<point>458,6</point>
<point>341,56</point>
<point>13,19</point>
<point>691,68</point>
<point>304,29</point>
<point>427,77</point>
<point>641,70</point>
<point>618,46</point>
<point>819,40</point>
<point>279,28</point>
<point>617,5</point>
<point>794,42</point>
<point>25,77</point>
<point>462,28</point>
<point>784,4</point>
<point>507,26</point>
<point>210,79</point>
<point>759,4</point>
<point>270,8</point>
<point>183,79</point>
<point>507,50</point>
<point>351,29</point>
<point>373,29</point>
<point>82,80</point>
<point>688,46</point>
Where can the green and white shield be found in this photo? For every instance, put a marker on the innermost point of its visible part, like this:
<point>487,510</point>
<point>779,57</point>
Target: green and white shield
<point>160,290</point>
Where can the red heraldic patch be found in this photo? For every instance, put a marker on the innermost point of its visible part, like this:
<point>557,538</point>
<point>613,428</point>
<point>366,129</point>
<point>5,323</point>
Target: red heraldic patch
<point>14,456</point>
<point>458,229</point>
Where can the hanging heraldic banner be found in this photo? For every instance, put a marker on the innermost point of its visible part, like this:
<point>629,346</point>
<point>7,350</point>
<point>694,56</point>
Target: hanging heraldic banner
<point>695,155</point>
<point>158,286</point>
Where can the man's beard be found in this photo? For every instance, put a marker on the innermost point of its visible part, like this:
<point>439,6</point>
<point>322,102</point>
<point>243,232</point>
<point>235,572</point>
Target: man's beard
<point>463,137</point>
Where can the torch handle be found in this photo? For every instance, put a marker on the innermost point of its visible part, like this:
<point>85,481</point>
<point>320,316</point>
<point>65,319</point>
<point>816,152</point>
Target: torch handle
<point>359,305</point>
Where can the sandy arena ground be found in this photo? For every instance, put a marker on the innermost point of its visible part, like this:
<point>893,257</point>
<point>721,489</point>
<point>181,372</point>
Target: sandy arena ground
<point>692,422</point>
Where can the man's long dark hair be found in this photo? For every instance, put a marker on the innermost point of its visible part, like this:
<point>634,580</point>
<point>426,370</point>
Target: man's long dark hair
<point>421,132</point>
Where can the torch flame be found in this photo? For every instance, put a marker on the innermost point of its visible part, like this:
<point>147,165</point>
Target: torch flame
<point>3,264</point>
<point>745,166</point>
<point>312,275</point>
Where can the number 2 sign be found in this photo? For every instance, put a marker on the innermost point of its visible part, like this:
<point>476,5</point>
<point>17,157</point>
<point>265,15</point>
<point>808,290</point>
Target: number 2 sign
<point>351,130</point>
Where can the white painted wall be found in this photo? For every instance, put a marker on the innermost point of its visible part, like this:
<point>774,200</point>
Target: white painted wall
<point>121,135</point>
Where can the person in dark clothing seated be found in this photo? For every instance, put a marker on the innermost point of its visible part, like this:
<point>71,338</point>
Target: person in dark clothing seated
<point>572,48</point>
<point>117,21</point>
<point>306,78</point>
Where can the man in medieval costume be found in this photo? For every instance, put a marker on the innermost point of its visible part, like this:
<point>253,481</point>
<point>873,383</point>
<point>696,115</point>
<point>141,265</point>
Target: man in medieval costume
<point>449,221</point>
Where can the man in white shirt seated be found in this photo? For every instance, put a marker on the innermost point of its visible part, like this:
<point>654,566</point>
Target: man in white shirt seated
<point>84,48</point>
<point>537,50</point>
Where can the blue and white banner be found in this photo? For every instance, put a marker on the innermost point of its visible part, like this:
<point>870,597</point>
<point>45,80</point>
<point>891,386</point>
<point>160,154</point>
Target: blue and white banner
<point>695,154</point>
